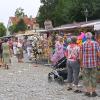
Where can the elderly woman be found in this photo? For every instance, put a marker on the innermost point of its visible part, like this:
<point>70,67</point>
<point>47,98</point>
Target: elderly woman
<point>6,53</point>
<point>72,55</point>
<point>59,51</point>
<point>0,52</point>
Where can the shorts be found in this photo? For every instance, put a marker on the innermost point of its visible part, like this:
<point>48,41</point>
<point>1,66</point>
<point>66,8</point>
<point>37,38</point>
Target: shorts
<point>89,75</point>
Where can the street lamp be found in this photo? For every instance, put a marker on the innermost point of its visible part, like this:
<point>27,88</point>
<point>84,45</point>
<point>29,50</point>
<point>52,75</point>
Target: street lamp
<point>86,14</point>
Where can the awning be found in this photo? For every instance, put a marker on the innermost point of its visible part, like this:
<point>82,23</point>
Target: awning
<point>27,33</point>
<point>30,33</point>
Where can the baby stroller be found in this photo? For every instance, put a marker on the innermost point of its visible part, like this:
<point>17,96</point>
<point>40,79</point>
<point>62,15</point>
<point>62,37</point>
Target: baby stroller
<point>59,72</point>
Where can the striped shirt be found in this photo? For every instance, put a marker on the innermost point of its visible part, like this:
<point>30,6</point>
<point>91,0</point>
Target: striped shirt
<point>89,51</point>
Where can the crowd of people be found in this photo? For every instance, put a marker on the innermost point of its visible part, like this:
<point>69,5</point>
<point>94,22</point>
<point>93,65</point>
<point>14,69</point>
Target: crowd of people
<point>8,48</point>
<point>82,54</point>
<point>18,47</point>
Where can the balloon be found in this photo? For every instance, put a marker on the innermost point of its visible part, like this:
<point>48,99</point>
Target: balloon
<point>79,42</point>
<point>82,35</point>
<point>79,37</point>
<point>84,39</point>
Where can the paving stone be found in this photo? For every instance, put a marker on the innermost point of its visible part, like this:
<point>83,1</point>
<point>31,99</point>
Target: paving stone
<point>25,82</point>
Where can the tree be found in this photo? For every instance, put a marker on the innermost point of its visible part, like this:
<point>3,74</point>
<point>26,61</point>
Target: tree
<point>67,11</point>
<point>60,13</point>
<point>46,11</point>
<point>2,30</point>
<point>12,29</point>
<point>21,26</point>
<point>19,12</point>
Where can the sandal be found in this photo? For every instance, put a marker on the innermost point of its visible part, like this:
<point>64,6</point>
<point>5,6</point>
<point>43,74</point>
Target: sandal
<point>7,67</point>
<point>69,88</point>
<point>78,91</point>
<point>87,94</point>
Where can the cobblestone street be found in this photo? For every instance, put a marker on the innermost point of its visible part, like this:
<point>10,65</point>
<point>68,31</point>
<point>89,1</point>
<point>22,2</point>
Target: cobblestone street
<point>26,82</point>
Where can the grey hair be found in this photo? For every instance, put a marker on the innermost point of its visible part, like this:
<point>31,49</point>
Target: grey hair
<point>88,35</point>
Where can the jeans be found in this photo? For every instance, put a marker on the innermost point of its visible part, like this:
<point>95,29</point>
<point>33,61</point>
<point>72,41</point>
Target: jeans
<point>73,72</point>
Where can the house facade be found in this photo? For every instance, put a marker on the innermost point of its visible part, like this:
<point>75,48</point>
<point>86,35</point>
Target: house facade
<point>29,21</point>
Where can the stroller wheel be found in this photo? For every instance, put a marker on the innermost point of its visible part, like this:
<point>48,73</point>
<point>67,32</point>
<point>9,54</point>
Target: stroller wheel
<point>49,78</point>
<point>60,80</point>
<point>56,79</point>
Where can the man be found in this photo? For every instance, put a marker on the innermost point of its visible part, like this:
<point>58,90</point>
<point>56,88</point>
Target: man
<point>29,49</point>
<point>0,52</point>
<point>72,55</point>
<point>89,51</point>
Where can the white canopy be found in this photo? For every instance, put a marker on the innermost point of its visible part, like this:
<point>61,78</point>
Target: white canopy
<point>27,33</point>
<point>30,33</point>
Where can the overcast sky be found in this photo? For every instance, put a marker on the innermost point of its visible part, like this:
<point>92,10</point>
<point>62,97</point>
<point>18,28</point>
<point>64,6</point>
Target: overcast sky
<point>8,8</point>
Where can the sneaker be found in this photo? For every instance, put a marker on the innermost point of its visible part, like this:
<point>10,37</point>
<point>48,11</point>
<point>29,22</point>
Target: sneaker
<point>94,94</point>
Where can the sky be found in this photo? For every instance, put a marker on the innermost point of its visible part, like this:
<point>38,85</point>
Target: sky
<point>8,8</point>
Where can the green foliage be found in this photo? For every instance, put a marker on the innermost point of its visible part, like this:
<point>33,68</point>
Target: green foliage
<point>68,11</point>
<point>12,29</point>
<point>20,26</point>
<point>2,30</point>
<point>46,11</point>
<point>19,12</point>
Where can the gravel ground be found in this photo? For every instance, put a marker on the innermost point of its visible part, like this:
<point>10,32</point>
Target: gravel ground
<point>26,82</point>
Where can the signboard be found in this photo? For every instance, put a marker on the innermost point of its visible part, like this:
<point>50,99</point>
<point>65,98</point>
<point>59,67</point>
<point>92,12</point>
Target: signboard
<point>48,24</point>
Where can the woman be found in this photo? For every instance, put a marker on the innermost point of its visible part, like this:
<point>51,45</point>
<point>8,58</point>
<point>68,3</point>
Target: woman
<point>10,42</point>
<point>15,47</point>
<point>59,52</point>
<point>20,51</point>
<point>6,54</point>
<point>98,60</point>
<point>73,66</point>
<point>29,49</point>
<point>0,52</point>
